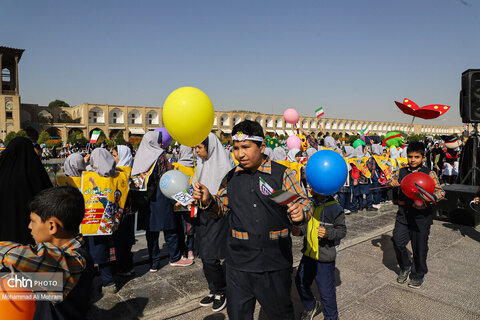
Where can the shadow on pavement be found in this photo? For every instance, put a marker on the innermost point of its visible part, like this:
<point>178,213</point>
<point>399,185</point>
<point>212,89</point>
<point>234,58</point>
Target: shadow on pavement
<point>464,230</point>
<point>297,302</point>
<point>389,259</point>
<point>121,310</point>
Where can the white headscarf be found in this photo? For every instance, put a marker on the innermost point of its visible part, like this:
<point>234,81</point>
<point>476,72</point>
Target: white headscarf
<point>269,152</point>
<point>102,162</point>
<point>403,153</point>
<point>74,165</point>
<point>279,154</point>
<point>394,154</point>
<point>349,152</point>
<point>329,142</point>
<point>147,153</point>
<point>358,152</point>
<point>211,171</point>
<point>377,149</point>
<point>310,152</point>
<point>125,158</point>
<point>292,153</point>
<point>185,156</point>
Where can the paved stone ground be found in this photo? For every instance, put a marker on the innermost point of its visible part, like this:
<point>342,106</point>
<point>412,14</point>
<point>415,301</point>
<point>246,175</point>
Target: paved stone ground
<point>366,286</point>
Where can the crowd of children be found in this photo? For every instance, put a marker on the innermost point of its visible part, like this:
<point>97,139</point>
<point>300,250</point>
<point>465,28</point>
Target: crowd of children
<point>235,221</point>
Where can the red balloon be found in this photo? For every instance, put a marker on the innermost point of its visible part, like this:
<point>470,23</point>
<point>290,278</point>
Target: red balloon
<point>418,183</point>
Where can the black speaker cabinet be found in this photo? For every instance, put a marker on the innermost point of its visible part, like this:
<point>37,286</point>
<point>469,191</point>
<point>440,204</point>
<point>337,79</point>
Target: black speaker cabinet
<point>456,208</point>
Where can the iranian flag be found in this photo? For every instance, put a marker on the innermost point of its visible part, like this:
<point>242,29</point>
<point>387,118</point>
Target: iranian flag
<point>365,131</point>
<point>95,135</point>
<point>319,112</point>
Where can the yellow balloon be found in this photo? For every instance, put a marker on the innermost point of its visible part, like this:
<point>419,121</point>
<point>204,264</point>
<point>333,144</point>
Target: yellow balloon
<point>188,115</point>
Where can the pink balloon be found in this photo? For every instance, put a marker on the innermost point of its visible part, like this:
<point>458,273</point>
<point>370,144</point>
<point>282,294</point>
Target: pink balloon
<point>294,142</point>
<point>291,116</point>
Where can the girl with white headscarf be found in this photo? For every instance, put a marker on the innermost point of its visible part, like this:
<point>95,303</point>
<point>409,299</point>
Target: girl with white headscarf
<point>124,237</point>
<point>123,156</point>
<point>156,211</point>
<point>364,183</point>
<point>310,152</point>
<point>74,165</point>
<point>269,153</point>
<point>103,164</point>
<point>345,195</point>
<point>293,154</point>
<point>185,164</point>
<point>279,154</point>
<point>213,166</point>
<point>378,177</point>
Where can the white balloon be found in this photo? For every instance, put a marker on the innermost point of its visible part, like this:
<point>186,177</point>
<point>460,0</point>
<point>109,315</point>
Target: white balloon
<point>173,182</point>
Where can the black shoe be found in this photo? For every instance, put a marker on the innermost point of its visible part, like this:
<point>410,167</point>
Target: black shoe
<point>416,283</point>
<point>219,302</point>
<point>205,302</point>
<point>372,209</point>
<point>308,315</point>
<point>403,275</point>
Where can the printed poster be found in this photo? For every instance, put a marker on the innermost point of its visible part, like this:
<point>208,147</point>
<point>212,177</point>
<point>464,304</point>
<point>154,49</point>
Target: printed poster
<point>105,199</point>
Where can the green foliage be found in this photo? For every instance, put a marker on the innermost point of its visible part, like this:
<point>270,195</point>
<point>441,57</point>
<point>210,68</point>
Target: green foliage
<point>74,136</point>
<point>10,136</point>
<point>22,133</point>
<point>119,140</point>
<point>351,139</point>
<point>172,143</point>
<point>82,142</point>
<point>416,137</point>
<point>43,137</point>
<point>58,103</point>
<point>335,136</point>
<point>110,143</point>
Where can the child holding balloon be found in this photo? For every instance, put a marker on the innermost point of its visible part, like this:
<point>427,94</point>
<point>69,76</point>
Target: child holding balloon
<point>414,216</point>
<point>322,234</point>
<point>259,246</point>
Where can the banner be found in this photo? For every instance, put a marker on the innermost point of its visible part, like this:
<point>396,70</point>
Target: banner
<point>402,162</point>
<point>75,182</point>
<point>104,202</point>
<point>141,180</point>
<point>382,163</point>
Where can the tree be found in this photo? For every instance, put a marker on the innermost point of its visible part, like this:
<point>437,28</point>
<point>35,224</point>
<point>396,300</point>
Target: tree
<point>351,139</point>
<point>43,137</point>
<point>119,140</point>
<point>10,136</point>
<point>74,136</point>
<point>22,133</point>
<point>58,103</point>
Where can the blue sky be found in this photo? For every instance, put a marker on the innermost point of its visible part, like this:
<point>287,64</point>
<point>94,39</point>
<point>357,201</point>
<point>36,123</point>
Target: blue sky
<point>354,58</point>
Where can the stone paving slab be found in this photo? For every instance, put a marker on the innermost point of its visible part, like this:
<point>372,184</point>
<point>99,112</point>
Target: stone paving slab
<point>365,280</point>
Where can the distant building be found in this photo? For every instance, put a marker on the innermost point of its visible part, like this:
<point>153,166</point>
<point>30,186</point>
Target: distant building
<point>136,120</point>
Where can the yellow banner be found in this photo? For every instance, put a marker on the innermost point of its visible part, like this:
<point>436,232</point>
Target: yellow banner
<point>361,165</point>
<point>140,180</point>
<point>75,182</point>
<point>189,171</point>
<point>402,162</point>
<point>382,163</point>
<point>104,202</point>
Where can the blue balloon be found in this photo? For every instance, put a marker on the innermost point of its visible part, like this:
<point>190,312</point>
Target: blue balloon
<point>326,172</point>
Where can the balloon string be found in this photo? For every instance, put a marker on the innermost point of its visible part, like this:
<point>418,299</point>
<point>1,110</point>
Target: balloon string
<point>195,174</point>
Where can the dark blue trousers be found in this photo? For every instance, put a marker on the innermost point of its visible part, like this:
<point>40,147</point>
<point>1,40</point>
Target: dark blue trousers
<point>171,239</point>
<point>324,275</point>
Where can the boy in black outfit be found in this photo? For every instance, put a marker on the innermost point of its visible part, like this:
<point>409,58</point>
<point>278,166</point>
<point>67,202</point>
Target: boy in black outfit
<point>55,218</point>
<point>413,220</point>
<point>259,246</point>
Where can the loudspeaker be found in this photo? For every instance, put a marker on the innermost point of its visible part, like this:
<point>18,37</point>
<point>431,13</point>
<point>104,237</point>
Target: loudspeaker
<point>470,96</point>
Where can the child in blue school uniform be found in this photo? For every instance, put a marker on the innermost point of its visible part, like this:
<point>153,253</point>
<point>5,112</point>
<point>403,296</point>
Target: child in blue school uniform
<point>322,235</point>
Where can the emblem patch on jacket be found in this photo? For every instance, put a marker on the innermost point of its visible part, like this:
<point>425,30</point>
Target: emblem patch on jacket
<point>265,189</point>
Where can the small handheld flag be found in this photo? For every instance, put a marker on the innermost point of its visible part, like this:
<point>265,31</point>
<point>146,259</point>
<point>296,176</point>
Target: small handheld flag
<point>95,135</point>
<point>365,131</point>
<point>319,112</point>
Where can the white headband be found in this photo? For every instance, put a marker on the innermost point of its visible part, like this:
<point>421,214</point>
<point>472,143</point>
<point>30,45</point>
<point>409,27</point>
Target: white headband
<point>240,136</point>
